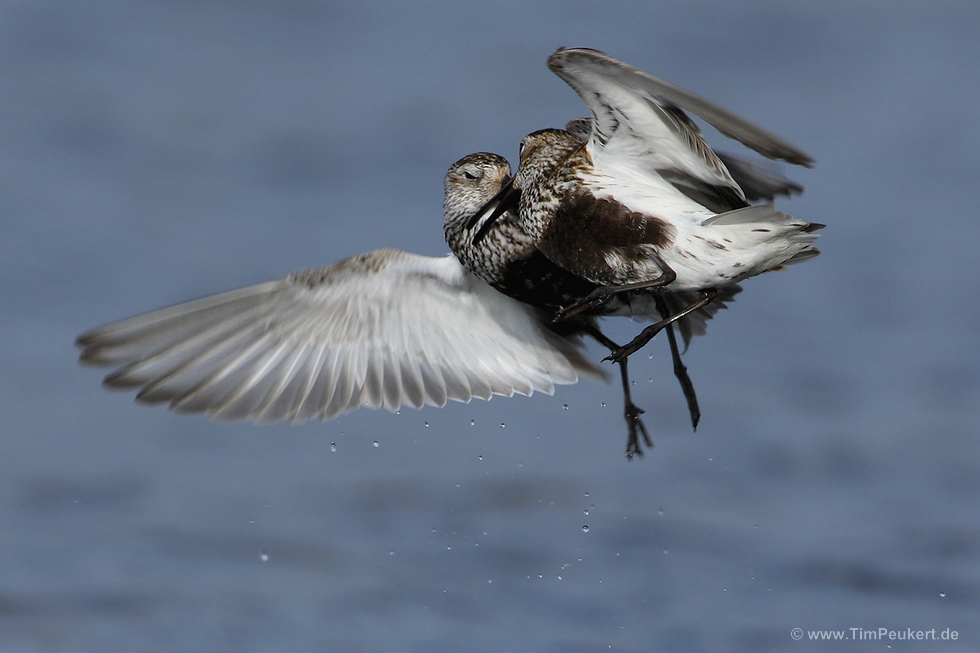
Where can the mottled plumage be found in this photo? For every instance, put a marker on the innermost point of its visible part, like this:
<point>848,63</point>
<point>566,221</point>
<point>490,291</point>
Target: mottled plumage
<point>637,200</point>
<point>646,188</point>
<point>507,258</point>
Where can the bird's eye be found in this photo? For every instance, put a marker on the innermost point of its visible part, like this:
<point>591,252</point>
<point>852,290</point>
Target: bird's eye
<point>472,173</point>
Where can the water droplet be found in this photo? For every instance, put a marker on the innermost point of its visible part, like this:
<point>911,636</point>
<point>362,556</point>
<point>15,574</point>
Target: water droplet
<point>586,494</point>
<point>449,548</point>
<point>376,444</point>
<point>426,425</point>
<point>666,551</point>
<point>333,446</point>
<point>585,529</point>
<point>565,406</point>
<point>586,512</point>
<point>650,380</point>
<point>602,405</point>
<point>392,552</point>
<point>264,557</point>
<point>502,425</point>
<point>540,575</point>
<point>660,512</point>
<point>942,595</point>
<point>480,457</point>
<point>472,422</point>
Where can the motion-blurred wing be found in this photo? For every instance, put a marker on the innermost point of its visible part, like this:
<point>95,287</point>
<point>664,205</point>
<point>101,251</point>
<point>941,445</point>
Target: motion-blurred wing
<point>757,183</point>
<point>616,91</point>
<point>383,329</point>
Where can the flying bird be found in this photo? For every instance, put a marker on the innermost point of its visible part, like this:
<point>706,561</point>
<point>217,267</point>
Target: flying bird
<point>636,200</point>
<point>390,328</point>
<point>383,329</point>
<point>507,259</point>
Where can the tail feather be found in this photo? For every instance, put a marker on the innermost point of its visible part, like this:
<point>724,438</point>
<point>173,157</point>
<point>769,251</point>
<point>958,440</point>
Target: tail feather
<point>763,213</point>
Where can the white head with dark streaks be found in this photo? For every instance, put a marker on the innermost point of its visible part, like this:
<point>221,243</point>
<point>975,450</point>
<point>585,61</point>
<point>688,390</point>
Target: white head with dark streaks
<point>541,152</point>
<point>470,183</point>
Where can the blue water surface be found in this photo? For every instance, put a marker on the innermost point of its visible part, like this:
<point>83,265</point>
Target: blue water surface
<point>154,152</point>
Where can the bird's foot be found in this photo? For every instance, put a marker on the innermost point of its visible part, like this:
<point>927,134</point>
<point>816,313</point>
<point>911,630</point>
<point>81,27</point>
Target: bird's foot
<point>596,298</point>
<point>636,344</point>
<point>636,428</point>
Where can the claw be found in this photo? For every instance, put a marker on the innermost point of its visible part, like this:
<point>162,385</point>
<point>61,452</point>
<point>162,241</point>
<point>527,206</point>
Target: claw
<point>594,299</point>
<point>616,356</point>
<point>634,423</point>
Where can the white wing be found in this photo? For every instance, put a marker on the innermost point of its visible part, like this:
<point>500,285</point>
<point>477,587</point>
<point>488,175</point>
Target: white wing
<point>639,116</point>
<point>382,329</point>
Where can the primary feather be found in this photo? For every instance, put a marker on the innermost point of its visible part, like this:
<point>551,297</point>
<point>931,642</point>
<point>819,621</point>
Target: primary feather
<point>383,329</point>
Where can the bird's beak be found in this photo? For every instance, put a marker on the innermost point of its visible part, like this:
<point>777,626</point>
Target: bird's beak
<point>507,199</point>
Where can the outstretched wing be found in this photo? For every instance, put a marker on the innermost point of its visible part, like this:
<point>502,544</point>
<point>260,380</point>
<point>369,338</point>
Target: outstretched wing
<point>640,117</point>
<point>592,73</point>
<point>383,329</point>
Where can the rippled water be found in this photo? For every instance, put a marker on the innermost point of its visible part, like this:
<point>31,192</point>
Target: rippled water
<point>155,152</point>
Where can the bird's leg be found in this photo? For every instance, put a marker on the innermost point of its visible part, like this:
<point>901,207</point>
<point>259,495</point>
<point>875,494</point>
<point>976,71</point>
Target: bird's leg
<point>631,411</point>
<point>680,371</point>
<point>603,294</point>
<point>648,333</point>
<point>594,299</point>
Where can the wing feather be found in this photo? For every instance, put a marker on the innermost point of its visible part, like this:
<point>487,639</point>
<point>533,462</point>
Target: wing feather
<point>597,77</point>
<point>383,329</point>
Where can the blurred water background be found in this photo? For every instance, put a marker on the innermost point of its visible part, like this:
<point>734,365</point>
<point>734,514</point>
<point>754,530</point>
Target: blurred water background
<point>154,152</point>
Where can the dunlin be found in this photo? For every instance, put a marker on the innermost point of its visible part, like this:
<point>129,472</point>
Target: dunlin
<point>383,329</point>
<point>507,259</point>
<point>644,203</point>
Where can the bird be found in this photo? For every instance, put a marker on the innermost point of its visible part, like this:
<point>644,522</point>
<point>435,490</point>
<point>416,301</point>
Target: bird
<point>382,329</point>
<point>507,259</point>
<point>634,199</point>
<point>389,328</point>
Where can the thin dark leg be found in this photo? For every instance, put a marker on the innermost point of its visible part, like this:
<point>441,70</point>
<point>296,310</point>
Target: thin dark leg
<point>631,411</point>
<point>648,333</point>
<point>680,371</point>
<point>603,294</point>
